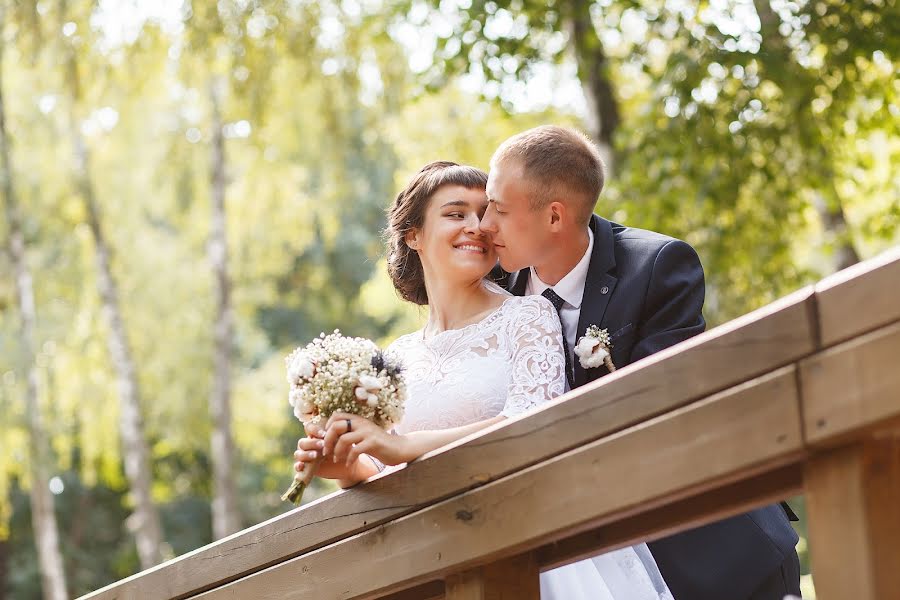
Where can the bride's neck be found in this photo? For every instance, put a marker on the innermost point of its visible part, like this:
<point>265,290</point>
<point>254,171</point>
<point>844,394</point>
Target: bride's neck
<point>452,306</point>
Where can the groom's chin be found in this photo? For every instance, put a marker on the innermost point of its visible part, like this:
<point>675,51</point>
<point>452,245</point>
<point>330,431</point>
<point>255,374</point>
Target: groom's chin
<point>508,265</point>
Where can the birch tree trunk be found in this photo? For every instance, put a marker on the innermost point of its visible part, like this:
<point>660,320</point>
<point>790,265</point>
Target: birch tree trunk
<point>43,517</point>
<point>144,522</point>
<point>225,513</point>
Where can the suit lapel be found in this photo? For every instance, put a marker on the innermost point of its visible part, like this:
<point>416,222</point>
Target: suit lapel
<point>598,287</point>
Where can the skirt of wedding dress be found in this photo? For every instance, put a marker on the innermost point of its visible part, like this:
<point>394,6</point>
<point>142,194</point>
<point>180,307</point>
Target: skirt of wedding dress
<point>626,574</point>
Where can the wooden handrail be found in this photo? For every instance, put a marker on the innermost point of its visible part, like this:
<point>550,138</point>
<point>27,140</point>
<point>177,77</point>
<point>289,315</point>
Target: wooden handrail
<point>725,421</point>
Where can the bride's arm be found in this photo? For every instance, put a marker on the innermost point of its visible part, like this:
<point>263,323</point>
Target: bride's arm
<point>421,442</point>
<point>365,438</point>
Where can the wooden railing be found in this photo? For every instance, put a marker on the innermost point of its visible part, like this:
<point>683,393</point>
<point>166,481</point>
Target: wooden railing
<point>802,396</point>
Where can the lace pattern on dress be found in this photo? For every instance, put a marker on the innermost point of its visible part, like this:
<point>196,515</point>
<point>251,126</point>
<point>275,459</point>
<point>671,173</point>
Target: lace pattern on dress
<point>509,362</point>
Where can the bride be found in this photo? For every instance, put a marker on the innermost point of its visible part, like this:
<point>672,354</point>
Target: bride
<point>483,356</point>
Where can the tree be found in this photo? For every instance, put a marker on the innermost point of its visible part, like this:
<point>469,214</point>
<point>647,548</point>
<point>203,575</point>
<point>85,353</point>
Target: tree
<point>44,518</point>
<point>505,41</point>
<point>144,522</point>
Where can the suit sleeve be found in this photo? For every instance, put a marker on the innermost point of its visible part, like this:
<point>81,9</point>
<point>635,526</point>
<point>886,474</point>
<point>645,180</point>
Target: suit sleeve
<point>674,302</point>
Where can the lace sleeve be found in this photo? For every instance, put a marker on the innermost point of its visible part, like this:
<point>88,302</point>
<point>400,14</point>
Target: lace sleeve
<point>538,364</point>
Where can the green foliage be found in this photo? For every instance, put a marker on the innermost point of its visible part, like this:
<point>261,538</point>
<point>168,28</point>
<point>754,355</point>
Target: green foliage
<point>729,138</point>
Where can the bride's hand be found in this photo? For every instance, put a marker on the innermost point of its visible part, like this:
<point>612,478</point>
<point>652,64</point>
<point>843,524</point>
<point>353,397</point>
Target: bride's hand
<point>348,436</point>
<point>310,448</point>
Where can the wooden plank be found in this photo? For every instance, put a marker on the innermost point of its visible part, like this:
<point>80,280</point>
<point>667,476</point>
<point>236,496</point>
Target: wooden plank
<point>468,585</point>
<point>513,578</point>
<point>736,498</point>
<point>859,299</point>
<point>688,452</point>
<point>752,345</point>
<point>432,590</point>
<point>851,386</point>
<point>853,503</point>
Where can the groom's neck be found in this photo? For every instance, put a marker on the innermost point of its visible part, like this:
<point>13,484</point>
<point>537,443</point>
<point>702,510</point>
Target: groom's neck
<point>566,253</point>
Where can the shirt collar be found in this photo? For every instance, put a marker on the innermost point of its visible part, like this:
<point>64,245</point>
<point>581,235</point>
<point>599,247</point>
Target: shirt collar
<point>571,287</point>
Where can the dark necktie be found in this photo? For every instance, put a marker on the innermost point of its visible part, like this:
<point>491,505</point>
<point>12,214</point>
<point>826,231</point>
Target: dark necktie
<point>557,302</point>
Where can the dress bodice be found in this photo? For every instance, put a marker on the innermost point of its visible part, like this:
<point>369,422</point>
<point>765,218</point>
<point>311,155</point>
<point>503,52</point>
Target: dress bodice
<point>508,362</point>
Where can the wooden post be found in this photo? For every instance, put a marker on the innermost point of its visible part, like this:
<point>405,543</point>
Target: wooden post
<point>853,499</point>
<point>514,578</point>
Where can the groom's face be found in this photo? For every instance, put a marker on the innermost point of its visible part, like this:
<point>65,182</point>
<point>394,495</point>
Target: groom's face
<point>518,232</point>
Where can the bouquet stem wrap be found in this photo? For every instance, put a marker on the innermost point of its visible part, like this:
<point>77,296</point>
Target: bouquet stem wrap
<point>301,482</point>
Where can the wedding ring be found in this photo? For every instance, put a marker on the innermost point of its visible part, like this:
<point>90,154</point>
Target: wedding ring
<point>349,423</point>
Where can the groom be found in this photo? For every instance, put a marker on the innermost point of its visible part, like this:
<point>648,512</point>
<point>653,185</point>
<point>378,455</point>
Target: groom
<point>647,290</point>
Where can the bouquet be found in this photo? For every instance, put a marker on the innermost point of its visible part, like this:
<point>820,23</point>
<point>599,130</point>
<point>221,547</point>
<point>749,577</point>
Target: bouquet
<point>333,374</point>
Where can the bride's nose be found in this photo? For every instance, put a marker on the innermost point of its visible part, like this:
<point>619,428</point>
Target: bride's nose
<point>473,226</point>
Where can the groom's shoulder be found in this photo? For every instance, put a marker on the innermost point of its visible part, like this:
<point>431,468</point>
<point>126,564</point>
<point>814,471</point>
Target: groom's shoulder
<point>637,251</point>
<point>634,237</point>
<point>636,243</point>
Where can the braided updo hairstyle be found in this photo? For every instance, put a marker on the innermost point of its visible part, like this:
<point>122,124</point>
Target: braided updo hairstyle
<point>408,212</point>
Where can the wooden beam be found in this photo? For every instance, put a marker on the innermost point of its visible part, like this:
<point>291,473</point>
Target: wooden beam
<point>513,578</point>
<point>769,487</point>
<point>729,436</point>
<point>859,299</point>
<point>853,503</point>
<point>726,356</point>
<point>851,386</point>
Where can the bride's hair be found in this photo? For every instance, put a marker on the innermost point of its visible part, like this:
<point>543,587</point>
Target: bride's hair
<point>408,212</point>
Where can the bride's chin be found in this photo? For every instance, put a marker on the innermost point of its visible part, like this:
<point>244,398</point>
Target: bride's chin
<point>471,272</point>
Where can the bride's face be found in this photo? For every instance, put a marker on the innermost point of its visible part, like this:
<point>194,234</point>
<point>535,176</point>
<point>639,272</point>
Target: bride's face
<point>451,244</point>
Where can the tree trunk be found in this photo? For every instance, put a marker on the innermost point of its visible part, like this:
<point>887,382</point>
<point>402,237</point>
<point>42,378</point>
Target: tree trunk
<point>835,224</point>
<point>144,521</point>
<point>4,568</point>
<point>43,517</point>
<point>225,513</point>
<point>602,119</point>
<point>831,213</point>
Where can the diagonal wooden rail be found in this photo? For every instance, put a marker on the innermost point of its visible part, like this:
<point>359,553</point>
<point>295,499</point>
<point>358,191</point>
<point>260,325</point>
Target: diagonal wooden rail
<point>800,396</point>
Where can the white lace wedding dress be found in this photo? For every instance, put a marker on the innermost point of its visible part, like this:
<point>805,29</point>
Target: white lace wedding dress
<point>505,364</point>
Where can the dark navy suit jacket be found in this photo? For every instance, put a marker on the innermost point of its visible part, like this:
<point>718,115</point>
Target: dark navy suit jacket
<point>647,290</point>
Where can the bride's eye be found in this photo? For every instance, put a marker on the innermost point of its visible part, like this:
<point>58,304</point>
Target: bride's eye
<point>455,215</point>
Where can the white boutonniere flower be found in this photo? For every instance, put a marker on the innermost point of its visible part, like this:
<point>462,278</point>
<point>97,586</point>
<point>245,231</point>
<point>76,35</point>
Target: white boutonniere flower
<point>594,348</point>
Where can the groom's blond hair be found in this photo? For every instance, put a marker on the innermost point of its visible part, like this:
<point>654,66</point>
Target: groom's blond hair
<point>559,164</point>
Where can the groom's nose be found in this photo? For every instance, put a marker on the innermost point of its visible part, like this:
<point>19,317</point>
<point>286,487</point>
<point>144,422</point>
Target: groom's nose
<point>487,222</point>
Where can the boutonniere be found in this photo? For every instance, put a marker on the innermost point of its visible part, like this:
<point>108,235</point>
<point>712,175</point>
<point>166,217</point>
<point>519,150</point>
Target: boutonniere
<point>593,349</point>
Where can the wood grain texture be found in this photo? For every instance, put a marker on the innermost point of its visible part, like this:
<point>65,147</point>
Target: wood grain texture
<point>851,386</point>
<point>861,298</point>
<point>853,501</point>
<point>513,578</point>
<point>738,351</point>
<point>687,452</point>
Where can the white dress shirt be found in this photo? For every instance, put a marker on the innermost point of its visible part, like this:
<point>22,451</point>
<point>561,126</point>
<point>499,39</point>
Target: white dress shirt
<point>571,289</point>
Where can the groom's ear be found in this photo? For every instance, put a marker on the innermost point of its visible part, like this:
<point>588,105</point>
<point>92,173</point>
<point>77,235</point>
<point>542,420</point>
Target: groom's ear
<point>558,212</point>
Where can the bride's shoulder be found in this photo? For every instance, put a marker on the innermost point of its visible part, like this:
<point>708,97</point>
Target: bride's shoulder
<point>535,303</point>
<point>404,342</point>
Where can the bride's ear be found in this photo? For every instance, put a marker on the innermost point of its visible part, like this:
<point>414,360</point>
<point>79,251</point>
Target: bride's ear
<point>412,239</point>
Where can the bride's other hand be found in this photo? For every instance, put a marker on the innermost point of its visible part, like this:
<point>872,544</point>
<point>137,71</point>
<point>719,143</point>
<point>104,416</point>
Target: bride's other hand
<point>310,448</point>
<point>349,436</point>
